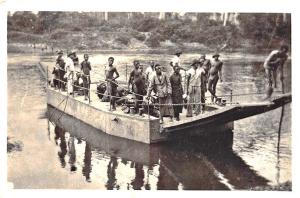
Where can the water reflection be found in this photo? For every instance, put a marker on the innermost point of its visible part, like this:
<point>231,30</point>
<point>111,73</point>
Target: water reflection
<point>87,162</point>
<point>138,182</point>
<point>72,154</point>
<point>111,174</point>
<point>187,162</point>
<point>60,137</point>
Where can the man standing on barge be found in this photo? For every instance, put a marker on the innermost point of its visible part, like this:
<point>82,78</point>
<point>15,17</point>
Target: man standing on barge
<point>111,82</point>
<point>70,72</point>
<point>85,69</point>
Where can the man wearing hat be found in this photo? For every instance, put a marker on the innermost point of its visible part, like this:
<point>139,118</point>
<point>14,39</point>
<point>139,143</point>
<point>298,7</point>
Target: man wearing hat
<point>69,72</point>
<point>193,88</point>
<point>58,70</point>
<point>75,58</point>
<point>215,73</point>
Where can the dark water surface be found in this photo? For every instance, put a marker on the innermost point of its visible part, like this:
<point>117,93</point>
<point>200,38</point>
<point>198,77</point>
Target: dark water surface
<point>66,153</point>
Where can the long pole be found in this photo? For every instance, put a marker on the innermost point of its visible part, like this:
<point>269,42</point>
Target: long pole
<point>279,130</point>
<point>47,78</point>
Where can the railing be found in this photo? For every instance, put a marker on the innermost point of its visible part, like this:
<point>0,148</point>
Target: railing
<point>231,99</point>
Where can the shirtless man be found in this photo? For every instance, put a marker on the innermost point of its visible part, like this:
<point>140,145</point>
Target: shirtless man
<point>215,73</point>
<point>111,83</point>
<point>275,59</point>
<point>137,83</point>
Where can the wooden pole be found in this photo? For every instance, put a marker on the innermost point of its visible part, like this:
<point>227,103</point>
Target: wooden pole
<point>47,78</point>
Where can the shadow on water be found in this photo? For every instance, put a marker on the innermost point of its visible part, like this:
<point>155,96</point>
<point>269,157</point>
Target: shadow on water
<point>204,162</point>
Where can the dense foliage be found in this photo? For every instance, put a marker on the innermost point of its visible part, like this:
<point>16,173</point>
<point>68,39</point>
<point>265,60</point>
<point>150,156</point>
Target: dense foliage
<point>259,30</point>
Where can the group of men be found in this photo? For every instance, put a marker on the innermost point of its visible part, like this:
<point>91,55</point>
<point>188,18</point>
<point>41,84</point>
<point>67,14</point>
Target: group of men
<point>64,73</point>
<point>170,92</point>
<point>183,88</point>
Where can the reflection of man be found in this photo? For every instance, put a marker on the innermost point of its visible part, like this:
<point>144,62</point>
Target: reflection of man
<point>87,167</point>
<point>215,73</point>
<point>60,135</point>
<point>111,174</point>
<point>72,154</point>
<point>275,60</point>
<point>138,181</point>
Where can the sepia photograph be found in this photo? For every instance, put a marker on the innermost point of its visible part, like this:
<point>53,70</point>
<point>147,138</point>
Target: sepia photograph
<point>149,100</point>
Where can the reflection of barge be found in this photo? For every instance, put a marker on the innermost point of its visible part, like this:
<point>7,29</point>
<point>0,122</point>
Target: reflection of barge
<point>213,163</point>
<point>147,129</point>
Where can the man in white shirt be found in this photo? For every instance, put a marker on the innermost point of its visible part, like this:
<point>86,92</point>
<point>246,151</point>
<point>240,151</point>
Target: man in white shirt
<point>150,72</point>
<point>176,60</point>
<point>70,72</point>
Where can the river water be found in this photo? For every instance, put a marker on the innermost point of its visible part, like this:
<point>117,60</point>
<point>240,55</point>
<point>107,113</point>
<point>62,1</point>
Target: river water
<point>70,154</point>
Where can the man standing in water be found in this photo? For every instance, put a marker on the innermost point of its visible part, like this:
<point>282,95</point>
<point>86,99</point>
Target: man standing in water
<point>85,69</point>
<point>215,73</point>
<point>275,59</point>
<point>111,83</point>
<point>70,72</point>
<point>160,84</point>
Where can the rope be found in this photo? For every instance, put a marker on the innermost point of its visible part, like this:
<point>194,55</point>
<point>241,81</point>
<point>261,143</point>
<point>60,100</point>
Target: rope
<point>194,103</point>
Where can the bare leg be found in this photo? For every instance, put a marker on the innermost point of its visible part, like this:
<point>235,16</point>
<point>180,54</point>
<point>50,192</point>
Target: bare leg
<point>210,89</point>
<point>215,86</point>
<point>270,88</point>
<point>275,77</point>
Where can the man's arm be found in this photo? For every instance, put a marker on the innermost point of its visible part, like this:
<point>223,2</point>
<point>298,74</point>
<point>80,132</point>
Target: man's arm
<point>220,72</point>
<point>81,66</point>
<point>117,74</point>
<point>169,88</point>
<point>150,88</point>
<point>89,65</point>
<point>188,83</point>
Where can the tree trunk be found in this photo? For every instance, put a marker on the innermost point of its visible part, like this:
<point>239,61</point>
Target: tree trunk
<point>106,16</point>
<point>162,15</point>
<point>225,18</point>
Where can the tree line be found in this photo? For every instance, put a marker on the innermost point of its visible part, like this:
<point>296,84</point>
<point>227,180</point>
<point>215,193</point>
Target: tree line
<point>210,29</point>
